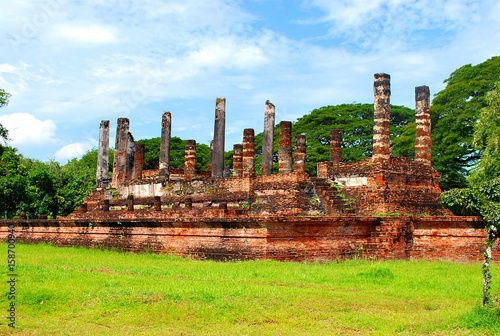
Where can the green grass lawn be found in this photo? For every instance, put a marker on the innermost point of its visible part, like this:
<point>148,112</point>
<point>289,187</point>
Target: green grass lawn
<point>77,291</point>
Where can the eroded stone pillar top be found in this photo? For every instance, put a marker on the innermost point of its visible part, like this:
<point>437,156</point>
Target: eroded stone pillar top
<point>103,155</point>
<point>248,153</point>
<point>190,160</point>
<point>166,126</point>
<point>219,138</point>
<point>423,141</point>
<point>237,160</point>
<point>381,117</point>
<point>335,146</point>
<point>268,138</point>
<point>285,148</point>
<point>121,147</point>
<point>422,94</point>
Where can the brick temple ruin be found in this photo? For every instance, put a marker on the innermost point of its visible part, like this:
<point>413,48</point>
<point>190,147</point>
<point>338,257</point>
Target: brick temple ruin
<point>383,207</point>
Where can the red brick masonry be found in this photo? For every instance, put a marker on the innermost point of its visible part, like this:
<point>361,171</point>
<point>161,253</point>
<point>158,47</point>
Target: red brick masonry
<point>216,236</point>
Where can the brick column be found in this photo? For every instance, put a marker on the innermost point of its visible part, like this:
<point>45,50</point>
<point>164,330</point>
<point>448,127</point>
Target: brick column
<point>219,138</point>
<point>335,146</point>
<point>299,165</point>
<point>120,159</point>
<point>423,141</point>
<point>268,139</point>
<point>103,155</point>
<point>166,129</point>
<point>190,160</point>
<point>381,117</point>
<point>138,160</point>
<point>285,148</point>
<point>248,153</point>
<point>237,160</point>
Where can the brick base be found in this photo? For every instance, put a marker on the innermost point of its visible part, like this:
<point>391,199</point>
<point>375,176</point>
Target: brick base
<point>449,238</point>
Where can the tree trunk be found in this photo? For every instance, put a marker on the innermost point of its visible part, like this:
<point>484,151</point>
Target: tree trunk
<point>490,241</point>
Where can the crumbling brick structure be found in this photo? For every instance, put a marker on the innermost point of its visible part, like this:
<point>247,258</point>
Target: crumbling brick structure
<point>382,207</point>
<point>383,184</point>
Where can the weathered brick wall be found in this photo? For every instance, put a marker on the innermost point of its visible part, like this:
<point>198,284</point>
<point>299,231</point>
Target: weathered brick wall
<point>289,193</point>
<point>222,235</point>
<point>398,185</point>
<point>449,238</point>
<point>318,239</point>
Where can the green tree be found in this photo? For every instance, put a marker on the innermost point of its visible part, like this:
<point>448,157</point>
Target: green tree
<point>483,196</point>
<point>4,100</point>
<point>487,139</point>
<point>455,111</point>
<point>13,180</point>
<point>77,179</point>
<point>356,123</point>
<point>41,189</point>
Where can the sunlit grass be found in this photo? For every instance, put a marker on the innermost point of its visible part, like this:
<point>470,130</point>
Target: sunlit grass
<point>76,291</point>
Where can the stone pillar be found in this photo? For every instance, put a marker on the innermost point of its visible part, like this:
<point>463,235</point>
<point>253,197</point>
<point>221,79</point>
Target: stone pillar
<point>166,129</point>
<point>299,165</point>
<point>381,117</point>
<point>138,160</point>
<point>120,159</point>
<point>237,160</point>
<point>285,148</point>
<point>248,155</point>
<point>210,155</point>
<point>129,166</point>
<point>190,160</point>
<point>335,146</point>
<point>423,141</point>
<point>103,155</point>
<point>268,139</point>
<point>219,138</point>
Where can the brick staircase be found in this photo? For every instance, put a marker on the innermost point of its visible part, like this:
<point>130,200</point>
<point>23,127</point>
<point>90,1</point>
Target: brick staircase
<point>329,197</point>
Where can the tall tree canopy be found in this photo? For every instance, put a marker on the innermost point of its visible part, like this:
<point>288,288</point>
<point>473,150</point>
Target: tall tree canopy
<point>455,111</point>
<point>487,139</point>
<point>482,197</point>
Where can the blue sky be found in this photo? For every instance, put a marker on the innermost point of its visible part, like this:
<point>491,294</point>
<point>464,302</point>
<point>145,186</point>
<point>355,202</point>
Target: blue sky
<point>71,64</point>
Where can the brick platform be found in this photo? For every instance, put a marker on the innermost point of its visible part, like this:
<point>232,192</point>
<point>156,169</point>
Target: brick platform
<point>448,238</point>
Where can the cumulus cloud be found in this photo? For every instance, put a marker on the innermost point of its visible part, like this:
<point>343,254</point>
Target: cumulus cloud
<point>73,150</point>
<point>25,129</point>
<point>86,33</point>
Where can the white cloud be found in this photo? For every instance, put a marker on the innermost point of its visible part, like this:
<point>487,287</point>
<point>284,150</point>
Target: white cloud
<point>74,150</point>
<point>25,129</point>
<point>7,68</point>
<point>88,33</point>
